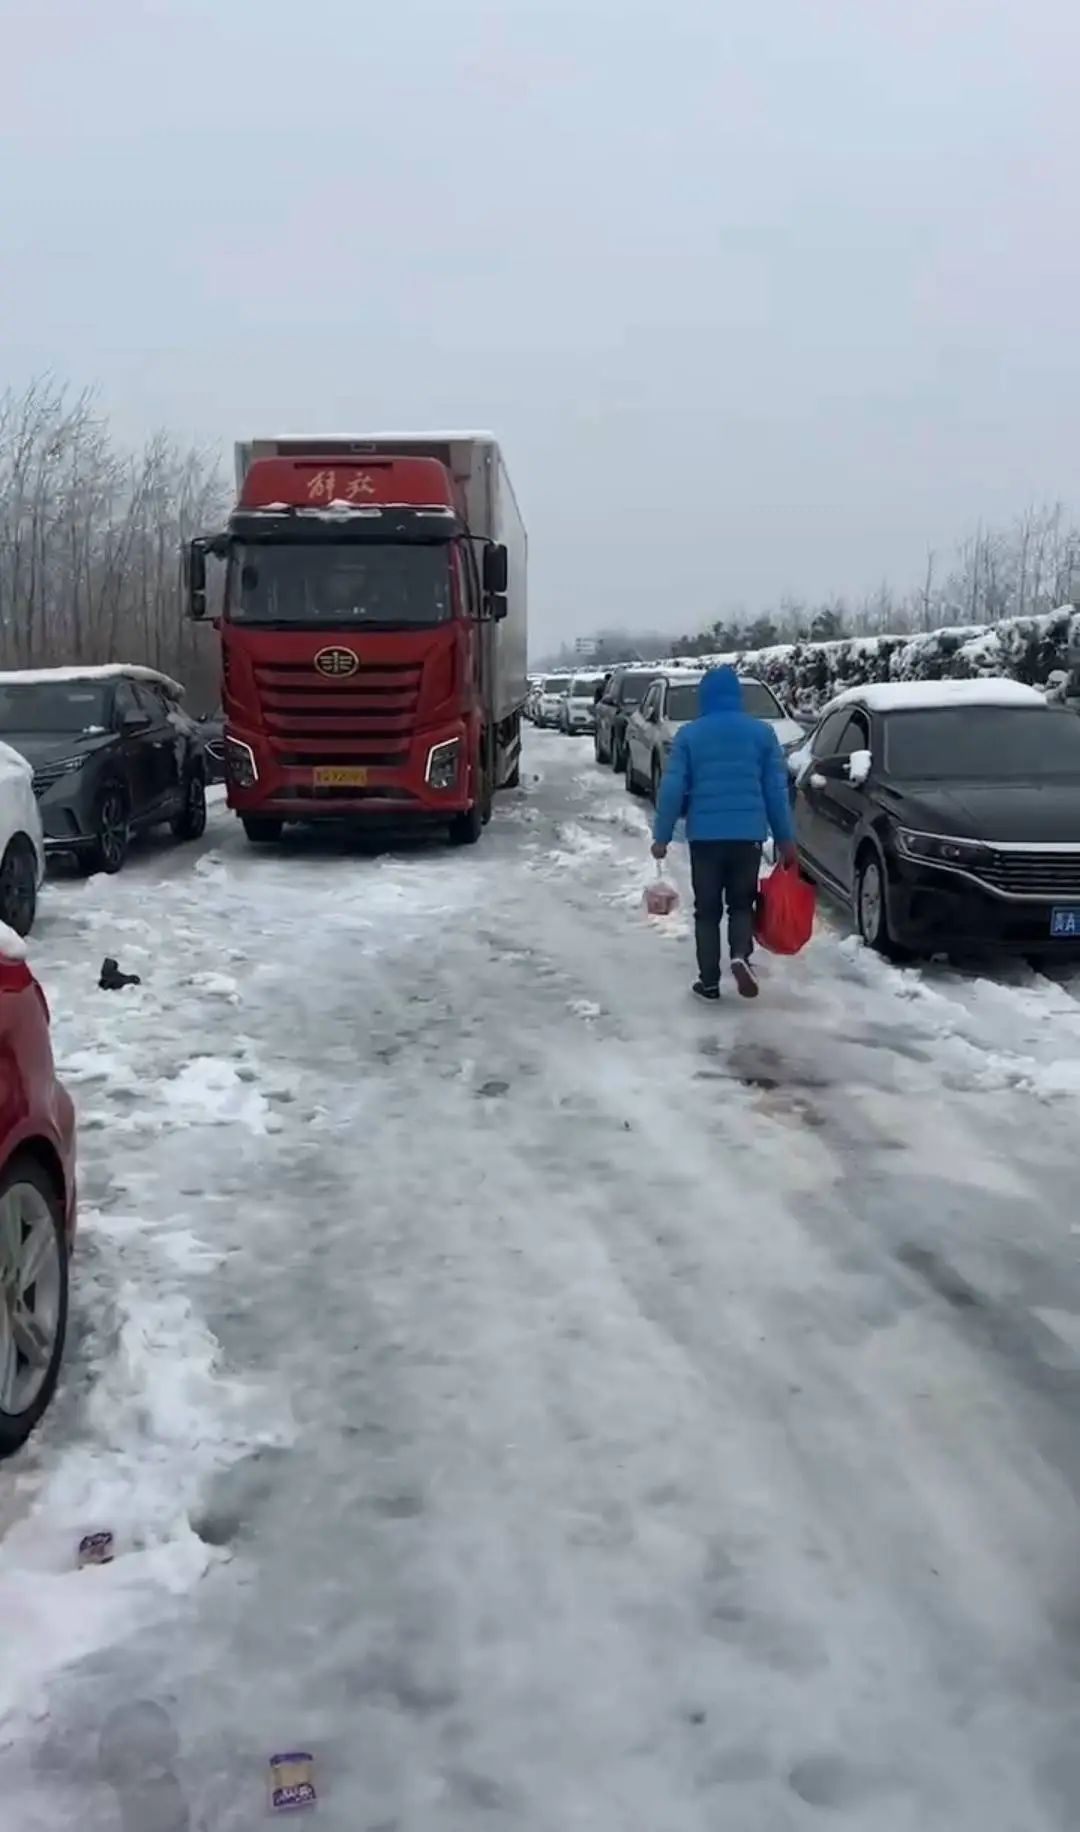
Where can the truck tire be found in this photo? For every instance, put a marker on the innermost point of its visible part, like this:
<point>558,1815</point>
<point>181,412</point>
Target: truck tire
<point>262,829</point>
<point>465,829</point>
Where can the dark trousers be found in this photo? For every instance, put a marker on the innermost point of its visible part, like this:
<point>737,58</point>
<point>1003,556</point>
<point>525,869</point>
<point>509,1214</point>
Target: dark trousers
<point>723,871</point>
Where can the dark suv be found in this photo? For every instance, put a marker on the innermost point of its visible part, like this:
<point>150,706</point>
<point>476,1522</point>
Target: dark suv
<point>624,691</point>
<point>947,814</point>
<point>112,754</point>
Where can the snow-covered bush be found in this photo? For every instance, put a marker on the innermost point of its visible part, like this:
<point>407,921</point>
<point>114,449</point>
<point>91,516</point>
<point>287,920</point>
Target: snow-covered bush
<point>1026,649</point>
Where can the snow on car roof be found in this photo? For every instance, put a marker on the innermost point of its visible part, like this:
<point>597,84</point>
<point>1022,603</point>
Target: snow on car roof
<point>923,696</point>
<point>107,671</point>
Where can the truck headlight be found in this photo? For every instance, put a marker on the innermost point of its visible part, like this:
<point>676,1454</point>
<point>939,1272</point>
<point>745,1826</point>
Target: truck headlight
<point>442,764</point>
<point>240,766</point>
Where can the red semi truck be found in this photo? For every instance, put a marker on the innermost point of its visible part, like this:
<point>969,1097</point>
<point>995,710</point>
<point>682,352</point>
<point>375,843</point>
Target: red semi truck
<point>373,631</point>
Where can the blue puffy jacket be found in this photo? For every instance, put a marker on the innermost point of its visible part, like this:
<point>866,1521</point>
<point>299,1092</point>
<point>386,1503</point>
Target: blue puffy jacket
<point>726,772</point>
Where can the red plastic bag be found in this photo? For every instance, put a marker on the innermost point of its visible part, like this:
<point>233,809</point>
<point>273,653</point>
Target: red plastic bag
<point>660,899</point>
<point>784,919</point>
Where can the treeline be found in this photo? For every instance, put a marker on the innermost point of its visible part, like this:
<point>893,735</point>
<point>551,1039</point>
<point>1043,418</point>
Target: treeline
<point>1024,570</point>
<point>90,538</point>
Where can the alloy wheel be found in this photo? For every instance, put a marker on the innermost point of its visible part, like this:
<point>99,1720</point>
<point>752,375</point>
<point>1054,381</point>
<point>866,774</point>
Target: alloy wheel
<point>31,1285</point>
<point>18,888</point>
<point>871,902</point>
<point>112,831</point>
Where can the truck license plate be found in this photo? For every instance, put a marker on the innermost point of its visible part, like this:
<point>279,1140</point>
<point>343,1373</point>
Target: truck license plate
<point>336,778</point>
<point>1065,920</point>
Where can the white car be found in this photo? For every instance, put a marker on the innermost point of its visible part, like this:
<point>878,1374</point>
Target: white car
<point>22,843</point>
<point>672,701</point>
<point>549,699</point>
<point>578,710</point>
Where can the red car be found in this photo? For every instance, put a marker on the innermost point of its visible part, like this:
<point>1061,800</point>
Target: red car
<point>37,1201</point>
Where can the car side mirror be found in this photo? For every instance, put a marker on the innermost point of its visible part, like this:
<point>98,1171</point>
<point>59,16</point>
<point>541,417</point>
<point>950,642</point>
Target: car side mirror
<point>860,763</point>
<point>496,570</point>
<point>134,721</point>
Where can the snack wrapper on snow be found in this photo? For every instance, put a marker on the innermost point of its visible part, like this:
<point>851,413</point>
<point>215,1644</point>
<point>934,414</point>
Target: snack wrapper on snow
<point>292,1781</point>
<point>661,898</point>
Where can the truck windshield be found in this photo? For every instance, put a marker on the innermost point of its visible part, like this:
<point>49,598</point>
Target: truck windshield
<point>340,582</point>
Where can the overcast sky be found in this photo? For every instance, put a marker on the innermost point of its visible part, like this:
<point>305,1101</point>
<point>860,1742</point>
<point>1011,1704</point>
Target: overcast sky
<point>760,298</point>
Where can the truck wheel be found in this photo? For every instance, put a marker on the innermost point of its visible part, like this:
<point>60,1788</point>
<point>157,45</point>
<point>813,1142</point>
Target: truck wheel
<point>513,781</point>
<point>262,829</point>
<point>465,829</point>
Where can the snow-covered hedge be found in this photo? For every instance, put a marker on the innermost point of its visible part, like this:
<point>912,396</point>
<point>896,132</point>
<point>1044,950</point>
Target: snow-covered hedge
<point>1027,649</point>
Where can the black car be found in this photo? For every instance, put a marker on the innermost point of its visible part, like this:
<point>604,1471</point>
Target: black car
<point>625,689</point>
<point>112,754</point>
<point>948,824</point>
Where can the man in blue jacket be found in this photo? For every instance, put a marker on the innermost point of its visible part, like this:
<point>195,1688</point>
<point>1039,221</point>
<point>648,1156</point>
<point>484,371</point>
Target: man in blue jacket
<point>727,775</point>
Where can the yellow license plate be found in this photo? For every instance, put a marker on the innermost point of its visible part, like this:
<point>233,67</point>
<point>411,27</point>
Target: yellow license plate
<point>340,779</point>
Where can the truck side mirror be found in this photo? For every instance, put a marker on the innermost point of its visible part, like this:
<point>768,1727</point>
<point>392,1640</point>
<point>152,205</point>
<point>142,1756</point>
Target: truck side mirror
<point>496,570</point>
<point>499,607</point>
<point>195,580</point>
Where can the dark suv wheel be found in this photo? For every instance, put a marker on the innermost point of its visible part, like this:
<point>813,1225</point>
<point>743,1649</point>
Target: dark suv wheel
<point>18,885</point>
<point>190,823</point>
<point>112,831</point>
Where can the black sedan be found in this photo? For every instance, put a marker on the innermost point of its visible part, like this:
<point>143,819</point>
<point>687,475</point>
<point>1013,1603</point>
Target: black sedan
<point>112,754</point>
<point>947,816</point>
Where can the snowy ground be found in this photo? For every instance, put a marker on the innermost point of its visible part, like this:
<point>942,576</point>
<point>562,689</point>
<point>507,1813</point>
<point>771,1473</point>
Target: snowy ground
<point>553,1404</point>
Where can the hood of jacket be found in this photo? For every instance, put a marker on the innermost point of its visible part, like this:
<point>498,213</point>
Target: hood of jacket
<point>720,691</point>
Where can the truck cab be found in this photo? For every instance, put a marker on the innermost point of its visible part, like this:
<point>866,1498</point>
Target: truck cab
<point>372,633</point>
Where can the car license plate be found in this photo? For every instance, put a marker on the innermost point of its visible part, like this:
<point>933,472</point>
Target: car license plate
<point>1065,920</point>
<point>336,778</point>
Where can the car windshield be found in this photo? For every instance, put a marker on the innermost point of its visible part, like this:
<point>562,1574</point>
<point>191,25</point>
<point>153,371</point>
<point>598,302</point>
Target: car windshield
<point>682,702</point>
<point>982,744</point>
<point>584,690</point>
<point>53,706</point>
<point>340,583</point>
<point>554,684</point>
<point>760,701</point>
<point>634,687</point>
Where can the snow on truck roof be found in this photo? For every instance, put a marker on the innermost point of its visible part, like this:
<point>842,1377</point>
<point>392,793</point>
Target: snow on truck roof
<point>108,671</point>
<point>924,696</point>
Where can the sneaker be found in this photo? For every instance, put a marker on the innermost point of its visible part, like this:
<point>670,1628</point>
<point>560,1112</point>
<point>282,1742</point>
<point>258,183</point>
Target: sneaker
<point>711,994</point>
<point>745,979</point>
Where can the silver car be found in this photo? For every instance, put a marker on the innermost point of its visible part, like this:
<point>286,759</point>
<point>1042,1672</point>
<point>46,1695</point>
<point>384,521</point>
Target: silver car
<point>578,710</point>
<point>549,699</point>
<point>672,701</point>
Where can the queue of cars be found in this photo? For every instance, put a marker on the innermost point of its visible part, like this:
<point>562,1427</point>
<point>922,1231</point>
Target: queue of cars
<point>945,815</point>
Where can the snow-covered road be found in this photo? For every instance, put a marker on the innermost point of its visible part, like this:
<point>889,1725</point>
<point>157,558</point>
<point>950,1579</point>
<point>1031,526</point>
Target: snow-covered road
<point>553,1404</point>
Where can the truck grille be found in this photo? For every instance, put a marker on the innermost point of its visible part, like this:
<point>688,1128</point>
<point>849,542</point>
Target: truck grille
<point>1046,873</point>
<point>367,719</point>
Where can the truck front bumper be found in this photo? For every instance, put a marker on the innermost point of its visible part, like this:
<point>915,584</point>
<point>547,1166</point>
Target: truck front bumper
<point>434,781</point>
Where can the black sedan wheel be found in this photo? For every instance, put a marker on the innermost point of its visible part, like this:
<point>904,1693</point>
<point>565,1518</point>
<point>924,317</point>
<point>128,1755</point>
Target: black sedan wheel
<point>190,823</point>
<point>18,885</point>
<point>872,909</point>
<point>112,834</point>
